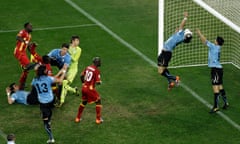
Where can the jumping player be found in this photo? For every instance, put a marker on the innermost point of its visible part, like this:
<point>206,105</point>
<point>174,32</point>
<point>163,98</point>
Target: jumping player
<point>23,43</point>
<point>164,58</point>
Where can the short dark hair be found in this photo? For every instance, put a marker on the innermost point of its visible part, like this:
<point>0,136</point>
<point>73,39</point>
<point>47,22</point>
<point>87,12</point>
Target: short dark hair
<point>46,59</point>
<point>11,86</point>
<point>74,37</point>
<point>97,61</point>
<point>26,24</point>
<point>10,137</point>
<point>220,40</point>
<point>65,45</point>
<point>41,70</point>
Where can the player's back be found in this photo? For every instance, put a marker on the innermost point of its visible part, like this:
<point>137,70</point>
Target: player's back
<point>44,90</point>
<point>174,40</point>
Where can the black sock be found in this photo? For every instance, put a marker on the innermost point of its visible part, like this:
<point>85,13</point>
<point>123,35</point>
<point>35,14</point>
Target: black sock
<point>48,128</point>
<point>223,94</point>
<point>168,75</point>
<point>216,96</point>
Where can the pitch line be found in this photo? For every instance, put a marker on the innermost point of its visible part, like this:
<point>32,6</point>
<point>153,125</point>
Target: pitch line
<point>136,51</point>
<point>52,28</point>
<point>114,35</point>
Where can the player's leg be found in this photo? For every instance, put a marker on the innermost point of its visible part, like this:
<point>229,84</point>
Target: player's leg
<point>80,110</point>
<point>216,98</point>
<point>71,74</point>
<point>221,89</point>
<point>32,97</point>
<point>215,87</point>
<point>224,98</point>
<point>163,60</point>
<point>98,112</point>
<point>63,92</point>
<point>46,116</point>
<point>26,66</point>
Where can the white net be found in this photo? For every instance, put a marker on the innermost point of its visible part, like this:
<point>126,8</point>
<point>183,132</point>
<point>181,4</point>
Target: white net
<point>230,9</point>
<point>195,53</point>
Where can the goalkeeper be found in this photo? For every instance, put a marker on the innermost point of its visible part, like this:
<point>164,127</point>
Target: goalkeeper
<point>164,58</point>
<point>75,53</point>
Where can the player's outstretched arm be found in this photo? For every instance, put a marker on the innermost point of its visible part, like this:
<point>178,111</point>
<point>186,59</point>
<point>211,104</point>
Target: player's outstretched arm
<point>202,37</point>
<point>60,76</point>
<point>183,21</point>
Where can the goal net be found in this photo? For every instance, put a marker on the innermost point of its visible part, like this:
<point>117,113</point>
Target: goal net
<point>213,17</point>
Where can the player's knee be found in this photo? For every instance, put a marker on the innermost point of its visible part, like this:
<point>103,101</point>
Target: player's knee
<point>84,103</point>
<point>98,102</point>
<point>161,70</point>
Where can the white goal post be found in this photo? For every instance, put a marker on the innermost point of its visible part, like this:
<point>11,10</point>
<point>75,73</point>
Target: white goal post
<point>213,17</point>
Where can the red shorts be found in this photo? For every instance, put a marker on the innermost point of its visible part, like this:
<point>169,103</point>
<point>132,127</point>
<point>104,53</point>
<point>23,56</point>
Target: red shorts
<point>89,95</point>
<point>22,58</point>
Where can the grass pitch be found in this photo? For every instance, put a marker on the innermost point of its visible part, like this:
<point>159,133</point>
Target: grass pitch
<point>137,108</point>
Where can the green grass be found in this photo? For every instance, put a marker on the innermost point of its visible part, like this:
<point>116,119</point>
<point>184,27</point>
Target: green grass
<point>137,108</point>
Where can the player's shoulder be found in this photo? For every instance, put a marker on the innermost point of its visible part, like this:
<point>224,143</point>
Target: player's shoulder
<point>22,32</point>
<point>91,67</point>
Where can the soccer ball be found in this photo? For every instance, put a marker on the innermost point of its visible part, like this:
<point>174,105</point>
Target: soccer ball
<point>187,35</point>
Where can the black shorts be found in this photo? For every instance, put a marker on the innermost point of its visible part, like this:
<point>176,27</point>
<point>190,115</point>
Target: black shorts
<point>46,110</point>
<point>217,76</point>
<point>54,62</point>
<point>32,98</point>
<point>164,58</point>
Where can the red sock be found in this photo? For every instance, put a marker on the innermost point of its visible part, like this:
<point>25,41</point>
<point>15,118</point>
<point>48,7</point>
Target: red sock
<point>98,111</point>
<point>80,110</point>
<point>23,79</point>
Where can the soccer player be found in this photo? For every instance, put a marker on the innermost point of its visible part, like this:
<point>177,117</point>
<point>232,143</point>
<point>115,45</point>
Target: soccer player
<point>90,77</point>
<point>60,57</point>
<point>75,53</point>
<point>164,58</point>
<point>43,83</point>
<point>24,42</point>
<point>214,52</point>
<point>14,94</point>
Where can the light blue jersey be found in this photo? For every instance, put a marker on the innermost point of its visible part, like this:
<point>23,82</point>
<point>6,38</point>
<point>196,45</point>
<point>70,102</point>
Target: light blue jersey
<point>213,55</point>
<point>174,40</point>
<point>55,53</point>
<point>20,97</point>
<point>44,89</point>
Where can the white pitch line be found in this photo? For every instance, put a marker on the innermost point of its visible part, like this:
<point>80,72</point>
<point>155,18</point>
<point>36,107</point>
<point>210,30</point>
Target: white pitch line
<point>52,28</point>
<point>136,51</point>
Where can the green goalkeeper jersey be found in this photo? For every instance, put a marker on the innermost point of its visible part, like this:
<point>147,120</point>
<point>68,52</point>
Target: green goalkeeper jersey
<point>75,53</point>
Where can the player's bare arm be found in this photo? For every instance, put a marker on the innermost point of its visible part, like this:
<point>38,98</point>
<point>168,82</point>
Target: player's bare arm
<point>202,37</point>
<point>8,91</point>
<point>183,21</point>
<point>60,79</point>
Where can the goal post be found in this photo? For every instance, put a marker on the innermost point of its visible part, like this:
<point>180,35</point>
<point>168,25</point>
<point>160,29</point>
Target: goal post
<point>206,16</point>
<point>160,25</point>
